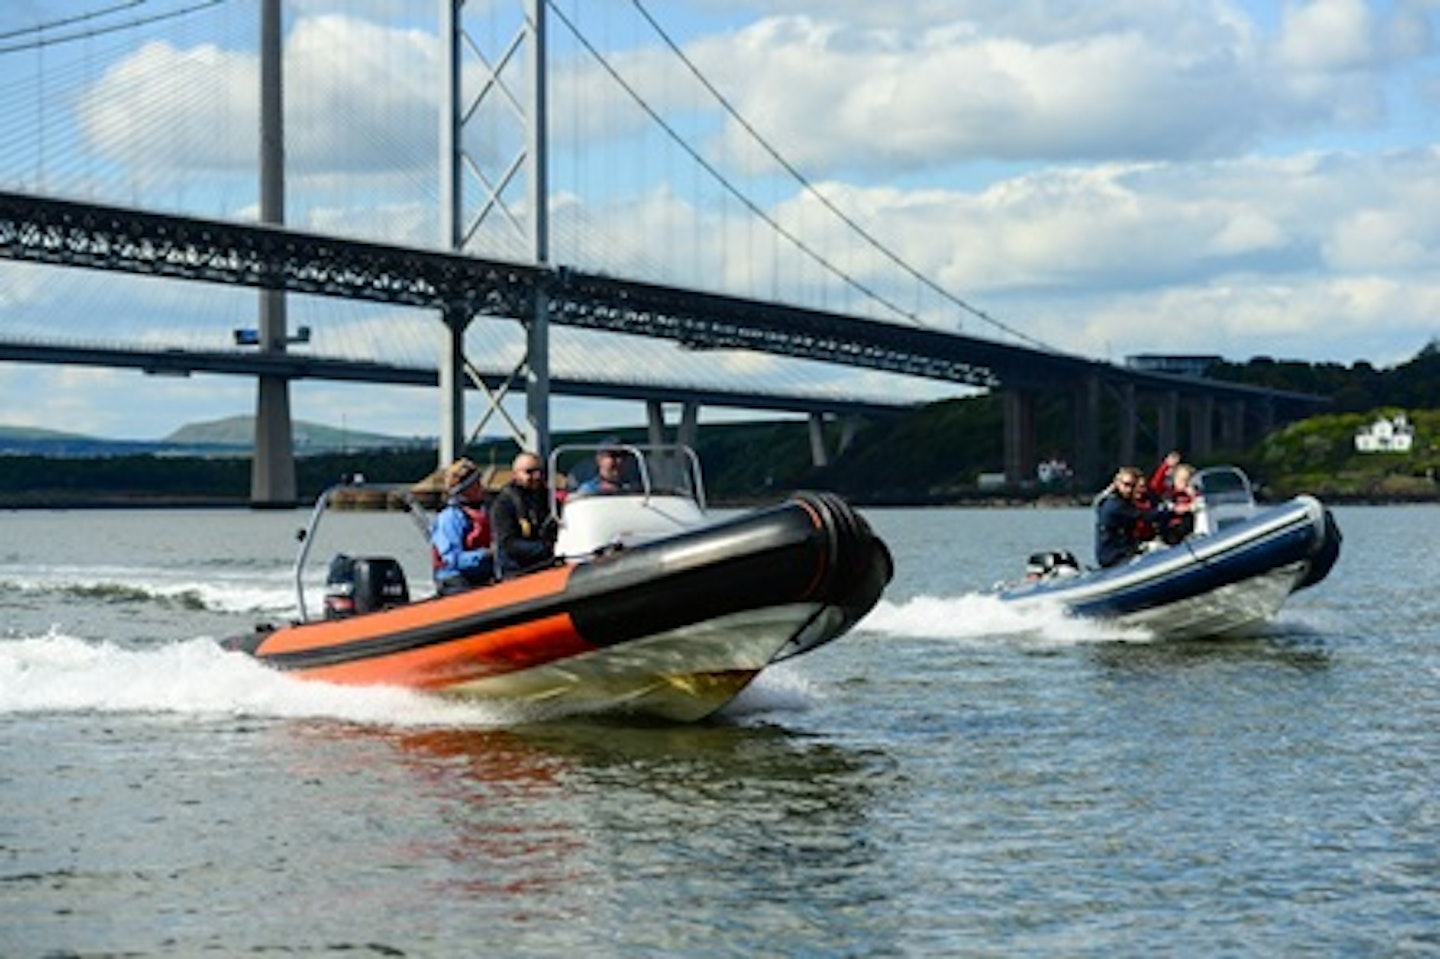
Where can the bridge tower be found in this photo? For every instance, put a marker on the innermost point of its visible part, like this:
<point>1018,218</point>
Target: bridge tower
<point>272,470</point>
<point>520,118</point>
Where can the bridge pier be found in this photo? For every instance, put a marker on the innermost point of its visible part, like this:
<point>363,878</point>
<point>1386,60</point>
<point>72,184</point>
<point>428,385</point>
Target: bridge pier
<point>1232,424</point>
<point>272,470</point>
<point>1088,471</point>
<point>819,456</point>
<point>1168,428</point>
<point>687,432</point>
<point>1202,427</point>
<point>1129,419</point>
<point>452,385</point>
<point>1018,410</point>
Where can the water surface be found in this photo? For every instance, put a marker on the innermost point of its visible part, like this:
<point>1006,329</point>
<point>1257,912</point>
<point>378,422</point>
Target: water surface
<point>952,779</point>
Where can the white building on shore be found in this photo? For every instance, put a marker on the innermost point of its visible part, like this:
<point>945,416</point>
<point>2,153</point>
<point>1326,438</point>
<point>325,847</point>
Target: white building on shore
<point>1392,434</point>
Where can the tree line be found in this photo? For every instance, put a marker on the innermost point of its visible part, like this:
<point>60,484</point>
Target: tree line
<point>927,456</point>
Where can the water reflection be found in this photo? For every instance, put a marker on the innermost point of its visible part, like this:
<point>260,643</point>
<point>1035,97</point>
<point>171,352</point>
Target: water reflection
<point>1294,646</point>
<point>596,821</point>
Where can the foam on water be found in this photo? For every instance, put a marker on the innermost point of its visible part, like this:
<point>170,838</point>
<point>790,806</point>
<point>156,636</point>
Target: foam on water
<point>781,688</point>
<point>257,594</point>
<point>981,618</point>
<point>59,673</point>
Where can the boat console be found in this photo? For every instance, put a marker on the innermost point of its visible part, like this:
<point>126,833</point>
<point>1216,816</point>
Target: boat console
<point>661,493</point>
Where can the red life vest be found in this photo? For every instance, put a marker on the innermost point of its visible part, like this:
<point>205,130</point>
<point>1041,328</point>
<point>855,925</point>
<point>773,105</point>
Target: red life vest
<point>477,533</point>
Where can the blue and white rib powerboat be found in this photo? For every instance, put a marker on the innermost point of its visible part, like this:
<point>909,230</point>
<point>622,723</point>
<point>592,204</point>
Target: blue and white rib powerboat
<point>1232,574</point>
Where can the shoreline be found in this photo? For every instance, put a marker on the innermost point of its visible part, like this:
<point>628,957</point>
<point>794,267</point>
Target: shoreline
<point>981,501</point>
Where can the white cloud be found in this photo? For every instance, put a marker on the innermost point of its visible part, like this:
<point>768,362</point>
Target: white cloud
<point>1328,35</point>
<point>1130,176</point>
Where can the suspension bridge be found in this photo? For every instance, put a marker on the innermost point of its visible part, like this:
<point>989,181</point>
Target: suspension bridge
<point>672,330</point>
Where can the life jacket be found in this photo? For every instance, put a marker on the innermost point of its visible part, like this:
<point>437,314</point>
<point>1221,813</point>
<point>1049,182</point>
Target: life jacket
<point>1144,528</point>
<point>477,533</point>
<point>477,536</point>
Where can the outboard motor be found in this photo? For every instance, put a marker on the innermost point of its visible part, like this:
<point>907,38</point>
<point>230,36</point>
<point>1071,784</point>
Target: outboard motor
<point>363,584</point>
<point>1051,564</point>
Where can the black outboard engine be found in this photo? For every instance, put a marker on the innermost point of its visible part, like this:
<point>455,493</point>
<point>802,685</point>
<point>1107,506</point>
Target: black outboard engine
<point>1051,564</point>
<point>363,584</point>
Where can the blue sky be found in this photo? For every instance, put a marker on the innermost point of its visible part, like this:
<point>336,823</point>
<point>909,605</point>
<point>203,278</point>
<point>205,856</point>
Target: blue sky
<point>1110,178</point>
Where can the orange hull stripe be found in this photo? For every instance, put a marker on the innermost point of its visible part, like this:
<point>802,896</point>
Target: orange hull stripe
<point>435,667</point>
<point>334,632</point>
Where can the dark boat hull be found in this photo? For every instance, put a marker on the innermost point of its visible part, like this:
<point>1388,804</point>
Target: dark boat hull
<point>1223,584</point>
<point>673,628</point>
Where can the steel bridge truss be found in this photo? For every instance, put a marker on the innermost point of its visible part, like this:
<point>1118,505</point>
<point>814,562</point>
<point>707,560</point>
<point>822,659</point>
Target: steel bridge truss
<point>73,233</point>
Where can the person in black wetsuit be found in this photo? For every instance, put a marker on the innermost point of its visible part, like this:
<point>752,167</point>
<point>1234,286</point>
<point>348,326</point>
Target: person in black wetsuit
<point>520,520</point>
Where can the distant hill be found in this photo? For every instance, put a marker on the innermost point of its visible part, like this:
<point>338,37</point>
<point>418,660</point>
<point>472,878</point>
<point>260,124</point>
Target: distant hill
<point>35,433</point>
<point>232,436</point>
<point>238,433</point>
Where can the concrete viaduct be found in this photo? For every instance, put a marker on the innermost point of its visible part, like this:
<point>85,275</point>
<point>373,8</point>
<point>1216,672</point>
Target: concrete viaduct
<point>1219,414</point>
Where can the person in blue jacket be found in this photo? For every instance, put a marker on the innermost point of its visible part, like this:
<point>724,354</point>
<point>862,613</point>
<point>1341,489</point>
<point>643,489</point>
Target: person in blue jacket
<point>460,546</point>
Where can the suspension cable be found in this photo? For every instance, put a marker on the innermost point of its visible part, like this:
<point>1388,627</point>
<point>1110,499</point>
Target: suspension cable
<point>825,201</point>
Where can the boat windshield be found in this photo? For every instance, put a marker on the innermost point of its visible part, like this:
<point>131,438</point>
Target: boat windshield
<point>1226,498</point>
<point>1224,486</point>
<point>643,470</point>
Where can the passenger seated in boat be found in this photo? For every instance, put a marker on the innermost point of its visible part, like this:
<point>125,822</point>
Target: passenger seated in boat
<point>610,463</point>
<point>1171,483</point>
<point>460,544</point>
<point>1125,519</point>
<point>520,516</point>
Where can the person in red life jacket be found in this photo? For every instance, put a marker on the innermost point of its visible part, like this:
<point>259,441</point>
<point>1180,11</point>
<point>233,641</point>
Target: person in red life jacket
<point>1171,483</point>
<point>460,542</point>
<point>1147,506</point>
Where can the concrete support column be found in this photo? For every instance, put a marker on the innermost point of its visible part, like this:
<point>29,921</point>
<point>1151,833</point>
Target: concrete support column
<point>1129,419</point>
<point>1088,470</point>
<point>1202,429</point>
<point>1264,419</point>
<point>655,422</point>
<point>818,454</point>
<point>849,427</point>
<point>689,430</point>
<point>1168,425</point>
<point>272,470</point>
<point>452,385</point>
<point>1232,425</point>
<point>1019,435</point>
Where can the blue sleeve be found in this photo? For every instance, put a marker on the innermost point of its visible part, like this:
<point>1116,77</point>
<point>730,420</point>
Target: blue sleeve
<point>448,538</point>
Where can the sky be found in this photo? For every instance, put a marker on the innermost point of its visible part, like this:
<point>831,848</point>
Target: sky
<point>1107,178</point>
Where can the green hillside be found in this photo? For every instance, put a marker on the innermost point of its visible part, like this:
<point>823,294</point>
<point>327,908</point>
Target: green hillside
<point>932,455</point>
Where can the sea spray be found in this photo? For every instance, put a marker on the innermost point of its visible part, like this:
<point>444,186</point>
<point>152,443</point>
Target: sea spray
<point>982,619</point>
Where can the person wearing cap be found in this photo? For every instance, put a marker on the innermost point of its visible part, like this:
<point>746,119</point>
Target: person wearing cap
<point>460,536</point>
<point>520,515</point>
<point>608,464</point>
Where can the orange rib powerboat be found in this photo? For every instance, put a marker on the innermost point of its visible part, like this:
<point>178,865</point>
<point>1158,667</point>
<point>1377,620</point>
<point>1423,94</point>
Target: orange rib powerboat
<point>651,611</point>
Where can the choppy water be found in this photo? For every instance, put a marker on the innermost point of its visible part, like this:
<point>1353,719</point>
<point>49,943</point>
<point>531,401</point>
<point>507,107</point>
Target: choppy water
<point>950,780</point>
